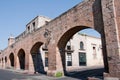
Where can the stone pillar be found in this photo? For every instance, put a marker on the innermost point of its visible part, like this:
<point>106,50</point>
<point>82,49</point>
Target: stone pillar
<point>111,19</point>
<point>17,63</point>
<point>26,61</point>
<point>3,64</point>
<point>0,64</point>
<point>8,63</point>
<point>54,62</point>
<point>104,51</point>
<point>31,65</point>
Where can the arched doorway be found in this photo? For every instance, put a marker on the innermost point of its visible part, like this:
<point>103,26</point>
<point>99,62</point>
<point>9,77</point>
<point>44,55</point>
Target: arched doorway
<point>11,57</point>
<point>62,49</point>
<point>21,56</point>
<point>5,59</point>
<point>37,58</point>
<point>0,60</point>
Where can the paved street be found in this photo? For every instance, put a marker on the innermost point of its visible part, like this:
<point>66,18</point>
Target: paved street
<point>13,75</point>
<point>73,75</point>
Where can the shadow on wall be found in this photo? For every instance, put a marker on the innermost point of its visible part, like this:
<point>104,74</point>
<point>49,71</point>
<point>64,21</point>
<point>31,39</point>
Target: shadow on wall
<point>38,63</point>
<point>99,26</point>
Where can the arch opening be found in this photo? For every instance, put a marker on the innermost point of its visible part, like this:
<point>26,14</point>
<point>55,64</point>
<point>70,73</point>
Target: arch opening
<point>79,50</point>
<point>5,59</point>
<point>37,57</point>
<point>21,56</point>
<point>11,57</point>
<point>2,60</point>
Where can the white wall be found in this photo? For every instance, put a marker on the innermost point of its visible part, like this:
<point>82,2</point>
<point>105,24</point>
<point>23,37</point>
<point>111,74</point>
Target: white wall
<point>89,42</point>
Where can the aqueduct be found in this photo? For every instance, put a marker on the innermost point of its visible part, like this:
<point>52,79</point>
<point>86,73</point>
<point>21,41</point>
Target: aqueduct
<point>101,15</point>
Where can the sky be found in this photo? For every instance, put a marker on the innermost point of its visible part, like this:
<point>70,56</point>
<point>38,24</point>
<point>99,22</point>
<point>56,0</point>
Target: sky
<point>15,14</point>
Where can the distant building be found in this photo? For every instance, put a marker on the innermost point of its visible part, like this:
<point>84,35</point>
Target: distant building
<point>33,25</point>
<point>36,23</point>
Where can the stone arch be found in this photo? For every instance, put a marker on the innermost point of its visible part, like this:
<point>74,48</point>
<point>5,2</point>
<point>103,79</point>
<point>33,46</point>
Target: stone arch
<point>5,59</point>
<point>66,37</point>
<point>2,60</point>
<point>11,57</point>
<point>21,57</point>
<point>62,41</point>
<point>37,57</point>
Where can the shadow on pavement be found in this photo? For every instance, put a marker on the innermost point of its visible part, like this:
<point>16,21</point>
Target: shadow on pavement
<point>83,75</point>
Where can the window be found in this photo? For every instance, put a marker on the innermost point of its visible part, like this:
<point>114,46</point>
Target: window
<point>28,28</point>
<point>46,59</point>
<point>69,59</point>
<point>68,47</point>
<point>33,25</point>
<point>82,59</point>
<point>81,45</point>
<point>94,53</point>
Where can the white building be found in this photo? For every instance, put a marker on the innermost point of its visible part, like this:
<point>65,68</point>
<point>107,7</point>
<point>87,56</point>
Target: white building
<point>85,51</point>
<point>36,23</point>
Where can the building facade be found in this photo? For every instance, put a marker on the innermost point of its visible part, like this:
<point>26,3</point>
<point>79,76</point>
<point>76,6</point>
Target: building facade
<point>84,51</point>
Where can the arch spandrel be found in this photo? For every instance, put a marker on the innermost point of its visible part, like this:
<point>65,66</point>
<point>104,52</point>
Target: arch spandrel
<point>85,14</point>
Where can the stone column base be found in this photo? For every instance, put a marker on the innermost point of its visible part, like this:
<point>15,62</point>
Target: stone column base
<point>92,78</point>
<point>107,76</point>
<point>17,68</point>
<point>55,73</point>
<point>111,78</point>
